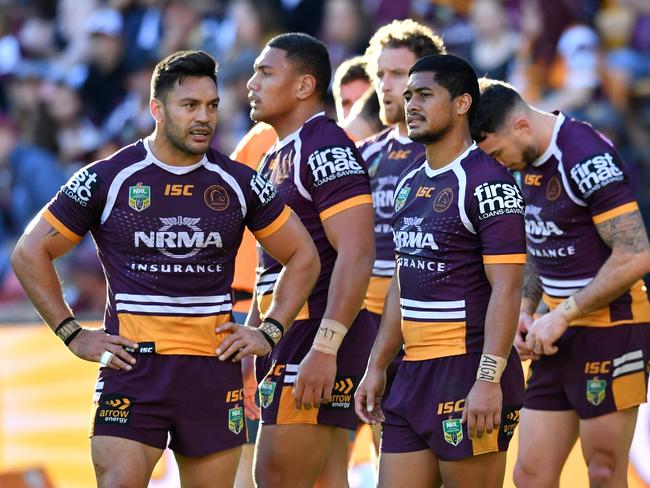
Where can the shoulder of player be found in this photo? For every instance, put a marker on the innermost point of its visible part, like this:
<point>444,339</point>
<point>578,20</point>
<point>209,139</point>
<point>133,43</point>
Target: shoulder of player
<point>578,141</point>
<point>239,171</point>
<point>323,131</point>
<point>112,165</point>
<point>378,138</point>
<point>479,165</point>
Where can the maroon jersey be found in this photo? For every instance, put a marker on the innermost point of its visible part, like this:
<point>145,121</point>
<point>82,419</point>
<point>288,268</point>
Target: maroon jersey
<point>577,183</point>
<point>167,238</point>
<point>448,224</point>
<point>387,154</point>
<point>319,172</point>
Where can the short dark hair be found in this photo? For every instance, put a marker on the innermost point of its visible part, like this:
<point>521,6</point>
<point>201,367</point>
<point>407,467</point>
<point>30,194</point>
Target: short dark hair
<point>308,55</point>
<point>179,65</point>
<point>454,74</point>
<point>498,98</point>
<point>417,38</point>
<point>349,70</point>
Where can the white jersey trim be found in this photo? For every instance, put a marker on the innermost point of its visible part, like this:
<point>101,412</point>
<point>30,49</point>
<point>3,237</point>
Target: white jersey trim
<point>177,170</point>
<point>171,309</point>
<point>552,146</point>
<point>128,297</point>
<point>117,183</point>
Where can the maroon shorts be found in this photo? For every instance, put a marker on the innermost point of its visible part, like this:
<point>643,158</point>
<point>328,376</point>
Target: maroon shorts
<point>195,400</point>
<point>276,389</point>
<point>595,371</point>
<point>425,406</point>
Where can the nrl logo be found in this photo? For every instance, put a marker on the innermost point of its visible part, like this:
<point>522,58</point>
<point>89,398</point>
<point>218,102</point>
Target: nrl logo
<point>139,197</point>
<point>453,431</point>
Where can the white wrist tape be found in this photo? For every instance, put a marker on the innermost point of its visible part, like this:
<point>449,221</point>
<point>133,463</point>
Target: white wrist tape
<point>569,309</point>
<point>491,368</point>
<point>329,336</point>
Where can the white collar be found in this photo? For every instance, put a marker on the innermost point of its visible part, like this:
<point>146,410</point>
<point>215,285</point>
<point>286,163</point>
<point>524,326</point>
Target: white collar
<point>552,146</point>
<point>435,172</point>
<point>177,170</point>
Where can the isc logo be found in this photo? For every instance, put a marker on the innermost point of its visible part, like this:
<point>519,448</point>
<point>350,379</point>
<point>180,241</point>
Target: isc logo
<point>425,191</point>
<point>178,190</point>
<point>451,407</point>
<point>533,180</point>
<point>235,395</point>
<point>597,367</point>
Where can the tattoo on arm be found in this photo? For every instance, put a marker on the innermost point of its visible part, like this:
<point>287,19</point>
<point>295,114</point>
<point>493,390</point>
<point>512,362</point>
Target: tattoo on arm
<point>626,232</point>
<point>52,232</point>
<point>532,284</point>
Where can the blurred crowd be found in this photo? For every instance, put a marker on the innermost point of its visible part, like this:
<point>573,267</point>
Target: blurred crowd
<point>74,82</point>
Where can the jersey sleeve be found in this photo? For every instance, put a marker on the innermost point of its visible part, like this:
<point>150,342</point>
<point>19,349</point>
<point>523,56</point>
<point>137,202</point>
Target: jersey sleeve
<point>266,211</point>
<point>595,172</point>
<point>496,211</point>
<point>77,206</point>
<point>336,177</point>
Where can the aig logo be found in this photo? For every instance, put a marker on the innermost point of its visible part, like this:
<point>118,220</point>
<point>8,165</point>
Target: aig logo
<point>81,186</point>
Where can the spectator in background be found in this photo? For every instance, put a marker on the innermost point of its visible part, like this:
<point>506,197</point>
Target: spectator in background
<point>28,176</point>
<point>131,119</point>
<point>344,29</point>
<point>142,29</point>
<point>350,82</point>
<point>495,44</point>
<point>103,86</point>
<point>76,136</point>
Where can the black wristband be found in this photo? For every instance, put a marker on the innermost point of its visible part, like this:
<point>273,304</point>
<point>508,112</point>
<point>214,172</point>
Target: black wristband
<point>72,336</point>
<point>268,338</point>
<point>275,322</point>
<point>63,322</point>
<point>67,330</point>
<point>272,330</point>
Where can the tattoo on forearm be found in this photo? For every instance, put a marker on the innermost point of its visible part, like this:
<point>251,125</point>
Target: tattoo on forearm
<point>532,284</point>
<point>52,232</point>
<point>625,231</point>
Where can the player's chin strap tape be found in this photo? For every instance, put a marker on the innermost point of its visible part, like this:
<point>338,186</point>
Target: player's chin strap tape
<point>329,336</point>
<point>272,330</point>
<point>67,330</point>
<point>491,368</point>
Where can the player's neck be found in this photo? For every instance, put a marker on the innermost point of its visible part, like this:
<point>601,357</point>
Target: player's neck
<point>291,122</point>
<point>402,130</point>
<point>167,153</point>
<point>542,124</point>
<point>447,149</point>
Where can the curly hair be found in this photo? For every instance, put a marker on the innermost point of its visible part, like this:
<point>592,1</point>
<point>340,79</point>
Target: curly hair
<point>417,38</point>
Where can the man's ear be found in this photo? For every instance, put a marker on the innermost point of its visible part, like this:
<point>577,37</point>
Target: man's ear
<point>306,86</point>
<point>520,122</point>
<point>156,109</point>
<point>463,103</point>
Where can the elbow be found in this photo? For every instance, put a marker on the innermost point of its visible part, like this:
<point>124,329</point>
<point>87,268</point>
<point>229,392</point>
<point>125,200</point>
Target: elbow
<point>20,258</point>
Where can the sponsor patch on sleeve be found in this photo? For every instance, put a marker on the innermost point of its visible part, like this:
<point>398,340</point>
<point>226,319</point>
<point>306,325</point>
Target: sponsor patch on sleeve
<point>496,198</point>
<point>81,186</point>
<point>330,163</point>
<point>263,188</point>
<point>595,173</point>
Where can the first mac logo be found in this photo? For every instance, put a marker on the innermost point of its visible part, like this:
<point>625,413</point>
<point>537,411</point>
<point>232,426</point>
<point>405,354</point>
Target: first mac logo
<point>81,186</point>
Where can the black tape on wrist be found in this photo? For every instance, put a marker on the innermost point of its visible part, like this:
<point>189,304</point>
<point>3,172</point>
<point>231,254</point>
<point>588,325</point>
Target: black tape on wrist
<point>268,338</point>
<point>67,330</point>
